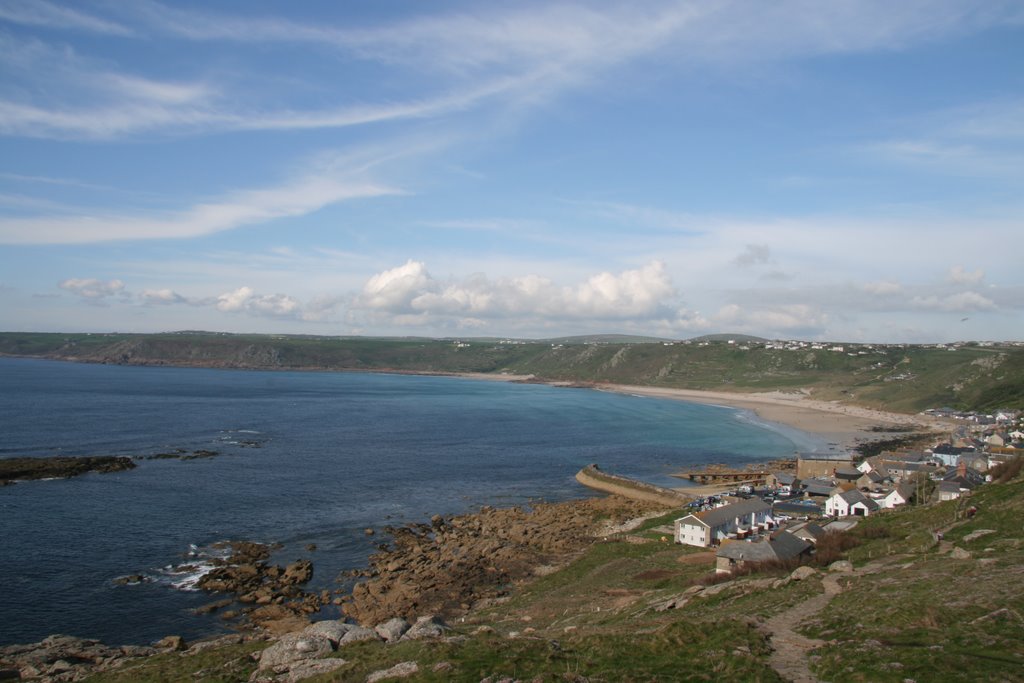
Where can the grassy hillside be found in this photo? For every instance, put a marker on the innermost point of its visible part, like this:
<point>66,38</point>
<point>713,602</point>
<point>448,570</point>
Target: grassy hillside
<point>914,608</point>
<point>902,378</point>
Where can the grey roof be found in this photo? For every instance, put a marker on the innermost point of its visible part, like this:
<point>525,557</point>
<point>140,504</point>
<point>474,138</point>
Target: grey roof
<point>786,545</point>
<point>949,487</point>
<point>853,496</point>
<point>782,546</point>
<point>727,513</point>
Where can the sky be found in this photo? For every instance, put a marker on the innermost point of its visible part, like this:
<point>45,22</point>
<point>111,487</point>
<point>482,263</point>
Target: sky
<point>842,170</point>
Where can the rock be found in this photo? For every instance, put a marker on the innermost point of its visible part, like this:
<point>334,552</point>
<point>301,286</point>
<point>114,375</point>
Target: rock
<point>293,648</point>
<point>978,534</point>
<point>311,547</point>
<point>214,643</point>
<point>332,630</point>
<point>442,667</point>
<point>426,627</point>
<point>801,573</point>
<point>313,667</point>
<point>130,580</point>
<point>960,554</point>
<point>173,643</point>
<point>297,573</point>
<point>841,566</point>
<point>368,531</point>
<point>357,634</point>
<point>392,629</point>
<point>402,670</point>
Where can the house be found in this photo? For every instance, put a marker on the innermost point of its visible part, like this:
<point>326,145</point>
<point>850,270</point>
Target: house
<point>709,527</point>
<point>781,546</point>
<point>899,495</point>
<point>819,464</point>
<point>965,477</point>
<point>807,531</point>
<point>871,480</point>
<point>783,482</point>
<point>850,503</point>
<point>948,490</point>
<point>817,487</point>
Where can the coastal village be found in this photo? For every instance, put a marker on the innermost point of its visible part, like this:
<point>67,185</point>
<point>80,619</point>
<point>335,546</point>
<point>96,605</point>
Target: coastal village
<point>780,515</point>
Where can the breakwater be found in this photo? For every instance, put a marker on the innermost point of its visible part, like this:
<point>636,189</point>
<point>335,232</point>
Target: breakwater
<point>592,477</point>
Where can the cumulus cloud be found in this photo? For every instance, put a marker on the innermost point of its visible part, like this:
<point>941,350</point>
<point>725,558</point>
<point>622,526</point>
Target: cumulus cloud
<point>959,275</point>
<point>244,299</point>
<point>91,288</point>
<point>162,297</point>
<point>411,292</point>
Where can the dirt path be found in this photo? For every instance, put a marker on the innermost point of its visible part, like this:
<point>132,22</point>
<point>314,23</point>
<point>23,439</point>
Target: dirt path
<point>789,657</point>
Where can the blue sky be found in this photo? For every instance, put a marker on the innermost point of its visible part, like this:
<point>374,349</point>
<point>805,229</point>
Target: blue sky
<point>849,171</point>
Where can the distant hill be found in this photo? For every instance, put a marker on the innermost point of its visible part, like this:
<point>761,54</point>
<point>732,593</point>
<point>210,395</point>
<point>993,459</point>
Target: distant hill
<point>727,337</point>
<point>900,377</point>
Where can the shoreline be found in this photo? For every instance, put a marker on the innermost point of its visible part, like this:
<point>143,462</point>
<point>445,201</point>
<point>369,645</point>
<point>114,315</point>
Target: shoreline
<point>838,423</point>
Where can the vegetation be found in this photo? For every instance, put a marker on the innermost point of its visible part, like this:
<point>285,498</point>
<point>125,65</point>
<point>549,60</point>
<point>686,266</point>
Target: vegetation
<point>895,377</point>
<point>914,609</point>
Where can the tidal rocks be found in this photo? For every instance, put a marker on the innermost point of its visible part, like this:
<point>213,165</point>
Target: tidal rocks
<point>450,564</point>
<point>24,469</point>
<point>280,604</point>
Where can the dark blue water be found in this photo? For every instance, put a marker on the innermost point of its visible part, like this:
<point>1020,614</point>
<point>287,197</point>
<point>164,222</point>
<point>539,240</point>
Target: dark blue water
<point>304,458</point>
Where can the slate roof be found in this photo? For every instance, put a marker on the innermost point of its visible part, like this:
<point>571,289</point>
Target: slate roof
<point>726,514</point>
<point>781,546</point>
<point>853,496</point>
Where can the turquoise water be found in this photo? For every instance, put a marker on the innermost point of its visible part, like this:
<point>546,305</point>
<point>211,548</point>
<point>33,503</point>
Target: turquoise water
<point>304,458</point>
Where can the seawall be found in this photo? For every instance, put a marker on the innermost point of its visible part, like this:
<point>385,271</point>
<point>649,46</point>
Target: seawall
<point>592,477</point>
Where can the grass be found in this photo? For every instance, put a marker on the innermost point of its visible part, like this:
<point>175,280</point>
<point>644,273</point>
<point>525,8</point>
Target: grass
<point>920,615</point>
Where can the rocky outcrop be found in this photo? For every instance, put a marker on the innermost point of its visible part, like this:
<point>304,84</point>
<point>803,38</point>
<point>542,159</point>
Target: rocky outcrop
<point>61,658</point>
<point>447,566</point>
<point>24,469</point>
<point>275,593</point>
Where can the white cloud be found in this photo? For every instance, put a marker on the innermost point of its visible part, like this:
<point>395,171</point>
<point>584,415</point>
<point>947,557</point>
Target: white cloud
<point>797,319</point>
<point>244,299</point>
<point>46,14</point>
<point>297,197</point>
<point>90,288</point>
<point>882,288</point>
<point>409,290</point>
<point>162,297</point>
<point>959,275</point>
<point>963,302</point>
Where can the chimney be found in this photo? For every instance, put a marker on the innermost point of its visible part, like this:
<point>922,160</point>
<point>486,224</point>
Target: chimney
<point>961,468</point>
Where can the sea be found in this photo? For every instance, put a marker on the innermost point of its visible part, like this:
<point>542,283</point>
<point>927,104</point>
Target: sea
<point>303,459</point>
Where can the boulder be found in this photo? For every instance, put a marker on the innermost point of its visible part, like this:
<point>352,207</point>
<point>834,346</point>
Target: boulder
<point>174,643</point>
<point>297,573</point>
<point>801,573</point>
<point>392,629</point>
<point>426,627</point>
<point>312,667</point>
<point>293,648</point>
<point>844,566</point>
<point>357,634</point>
<point>960,554</point>
<point>401,670</point>
<point>334,631</point>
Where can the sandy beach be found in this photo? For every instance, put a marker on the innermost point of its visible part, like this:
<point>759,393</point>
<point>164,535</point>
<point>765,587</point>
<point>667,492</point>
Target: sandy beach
<point>835,422</point>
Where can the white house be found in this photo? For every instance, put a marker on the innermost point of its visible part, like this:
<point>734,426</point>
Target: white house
<point>707,528</point>
<point>850,503</point>
<point>898,496</point>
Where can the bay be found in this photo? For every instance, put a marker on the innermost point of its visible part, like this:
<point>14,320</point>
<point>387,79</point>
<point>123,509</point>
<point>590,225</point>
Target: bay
<point>303,458</point>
